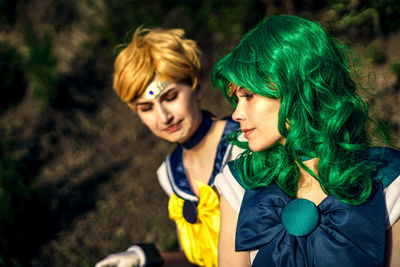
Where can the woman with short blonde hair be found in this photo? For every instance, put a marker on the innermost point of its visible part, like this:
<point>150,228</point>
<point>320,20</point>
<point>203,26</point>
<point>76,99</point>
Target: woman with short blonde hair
<point>157,76</point>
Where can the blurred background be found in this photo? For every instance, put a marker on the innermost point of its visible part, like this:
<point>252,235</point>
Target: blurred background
<point>77,168</point>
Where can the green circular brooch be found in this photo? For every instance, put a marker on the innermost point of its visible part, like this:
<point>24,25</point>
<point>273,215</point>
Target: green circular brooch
<point>300,217</point>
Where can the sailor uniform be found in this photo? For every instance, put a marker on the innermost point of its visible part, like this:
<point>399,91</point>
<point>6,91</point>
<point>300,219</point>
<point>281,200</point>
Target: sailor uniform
<point>197,218</point>
<point>281,231</point>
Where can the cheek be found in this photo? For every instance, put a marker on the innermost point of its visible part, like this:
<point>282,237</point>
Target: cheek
<point>274,116</point>
<point>270,131</point>
<point>179,108</point>
<point>150,122</point>
<point>185,107</point>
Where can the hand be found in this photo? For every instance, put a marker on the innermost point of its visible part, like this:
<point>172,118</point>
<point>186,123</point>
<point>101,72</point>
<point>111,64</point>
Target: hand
<point>133,257</point>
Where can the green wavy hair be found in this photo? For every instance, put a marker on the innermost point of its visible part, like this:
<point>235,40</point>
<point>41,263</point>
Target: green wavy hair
<point>295,60</point>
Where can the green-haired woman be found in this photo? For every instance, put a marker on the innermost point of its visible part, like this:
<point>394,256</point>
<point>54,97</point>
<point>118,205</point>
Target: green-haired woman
<point>308,190</point>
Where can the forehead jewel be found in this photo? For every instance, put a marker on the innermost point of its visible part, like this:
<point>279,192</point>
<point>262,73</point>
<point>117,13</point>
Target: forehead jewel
<point>154,89</point>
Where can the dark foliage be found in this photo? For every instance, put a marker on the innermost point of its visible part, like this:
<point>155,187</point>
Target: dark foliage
<point>13,81</point>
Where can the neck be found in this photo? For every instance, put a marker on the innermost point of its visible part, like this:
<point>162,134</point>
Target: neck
<point>312,164</point>
<point>309,187</point>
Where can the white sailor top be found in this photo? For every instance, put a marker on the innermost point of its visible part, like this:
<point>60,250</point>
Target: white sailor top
<point>197,218</point>
<point>341,235</point>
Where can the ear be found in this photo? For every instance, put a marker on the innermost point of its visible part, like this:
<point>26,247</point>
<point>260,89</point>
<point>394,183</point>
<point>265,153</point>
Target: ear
<point>198,90</point>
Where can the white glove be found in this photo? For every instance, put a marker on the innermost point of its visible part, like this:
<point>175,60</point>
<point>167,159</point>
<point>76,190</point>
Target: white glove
<point>133,257</point>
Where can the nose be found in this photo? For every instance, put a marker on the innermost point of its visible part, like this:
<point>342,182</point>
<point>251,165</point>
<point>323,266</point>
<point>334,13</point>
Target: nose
<point>163,113</point>
<point>238,115</point>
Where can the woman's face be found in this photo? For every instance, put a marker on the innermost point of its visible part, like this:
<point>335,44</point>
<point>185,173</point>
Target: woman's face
<point>258,118</point>
<point>173,115</point>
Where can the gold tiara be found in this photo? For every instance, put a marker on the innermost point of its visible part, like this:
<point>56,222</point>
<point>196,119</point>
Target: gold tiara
<point>154,89</point>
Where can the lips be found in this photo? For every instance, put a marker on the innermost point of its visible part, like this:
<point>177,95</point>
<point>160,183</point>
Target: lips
<point>173,127</point>
<point>247,132</point>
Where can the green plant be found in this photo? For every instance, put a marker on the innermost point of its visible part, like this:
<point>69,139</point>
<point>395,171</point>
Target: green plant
<point>8,11</point>
<point>23,221</point>
<point>12,83</point>
<point>395,68</point>
<point>14,191</point>
<point>368,17</point>
<point>375,54</point>
<point>41,68</point>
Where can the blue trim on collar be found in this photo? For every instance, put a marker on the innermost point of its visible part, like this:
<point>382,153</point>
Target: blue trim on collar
<point>176,171</point>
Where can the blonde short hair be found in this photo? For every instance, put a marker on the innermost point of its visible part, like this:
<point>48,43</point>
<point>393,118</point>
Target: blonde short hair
<point>155,51</point>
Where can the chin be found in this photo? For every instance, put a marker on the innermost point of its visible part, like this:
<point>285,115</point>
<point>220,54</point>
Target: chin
<point>179,140</point>
<point>257,147</point>
<point>169,138</point>
<point>254,148</point>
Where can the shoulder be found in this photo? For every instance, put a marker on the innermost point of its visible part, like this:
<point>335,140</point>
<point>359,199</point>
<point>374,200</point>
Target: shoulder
<point>162,176</point>
<point>388,164</point>
<point>225,151</point>
<point>227,184</point>
<point>387,172</point>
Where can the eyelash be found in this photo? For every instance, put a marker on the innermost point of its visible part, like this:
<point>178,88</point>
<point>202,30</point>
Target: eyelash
<point>171,97</point>
<point>246,95</point>
<point>144,109</point>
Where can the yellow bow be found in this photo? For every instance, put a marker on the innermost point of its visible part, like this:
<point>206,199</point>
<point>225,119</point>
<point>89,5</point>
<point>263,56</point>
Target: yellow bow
<point>199,240</point>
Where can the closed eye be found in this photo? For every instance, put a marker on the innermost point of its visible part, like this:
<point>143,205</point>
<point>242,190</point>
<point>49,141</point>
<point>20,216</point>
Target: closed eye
<point>170,96</point>
<point>143,107</point>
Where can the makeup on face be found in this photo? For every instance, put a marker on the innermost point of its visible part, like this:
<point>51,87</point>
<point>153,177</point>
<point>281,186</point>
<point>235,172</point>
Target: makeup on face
<point>169,110</point>
<point>258,117</point>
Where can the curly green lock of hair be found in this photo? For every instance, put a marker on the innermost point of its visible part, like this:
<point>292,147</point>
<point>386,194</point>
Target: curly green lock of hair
<point>295,60</point>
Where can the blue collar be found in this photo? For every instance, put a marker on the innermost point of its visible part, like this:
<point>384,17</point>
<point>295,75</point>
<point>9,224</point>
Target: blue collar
<point>200,133</point>
<point>176,170</point>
